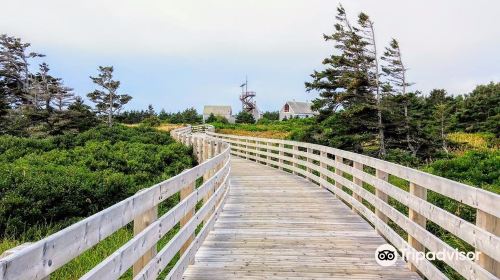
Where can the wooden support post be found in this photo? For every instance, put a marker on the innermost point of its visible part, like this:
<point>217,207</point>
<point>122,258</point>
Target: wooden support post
<point>358,182</point>
<point>246,149</point>
<point>383,196</point>
<point>420,192</point>
<point>309,170</point>
<point>295,148</point>
<point>267,157</point>
<point>140,223</point>
<point>207,174</point>
<point>281,153</point>
<point>198,148</point>
<point>323,155</point>
<point>337,171</point>
<point>490,223</point>
<point>185,192</point>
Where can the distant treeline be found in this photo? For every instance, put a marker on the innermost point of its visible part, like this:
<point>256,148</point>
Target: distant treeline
<point>189,115</point>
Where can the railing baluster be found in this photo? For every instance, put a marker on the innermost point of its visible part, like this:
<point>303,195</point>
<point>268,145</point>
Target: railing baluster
<point>420,192</point>
<point>491,224</point>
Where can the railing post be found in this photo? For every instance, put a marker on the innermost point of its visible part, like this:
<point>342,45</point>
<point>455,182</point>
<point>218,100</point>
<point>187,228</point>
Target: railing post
<point>185,192</point>
<point>358,182</point>
<point>309,160</point>
<point>294,156</point>
<point>281,153</point>
<point>267,157</point>
<point>207,174</point>
<point>383,196</point>
<point>338,159</point>
<point>491,224</point>
<point>323,155</point>
<point>420,192</point>
<point>246,148</point>
<point>140,223</point>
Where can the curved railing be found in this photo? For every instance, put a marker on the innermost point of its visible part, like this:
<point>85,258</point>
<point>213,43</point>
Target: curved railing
<point>40,259</point>
<point>363,183</point>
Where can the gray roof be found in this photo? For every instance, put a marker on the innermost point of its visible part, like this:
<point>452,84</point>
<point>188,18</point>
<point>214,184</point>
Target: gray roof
<point>219,110</point>
<point>300,107</point>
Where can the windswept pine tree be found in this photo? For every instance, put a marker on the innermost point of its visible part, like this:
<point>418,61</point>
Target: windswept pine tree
<point>15,77</point>
<point>108,101</point>
<point>345,88</point>
<point>396,80</point>
<point>372,68</point>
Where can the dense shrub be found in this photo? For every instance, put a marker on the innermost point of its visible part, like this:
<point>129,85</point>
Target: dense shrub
<point>72,176</point>
<point>480,168</point>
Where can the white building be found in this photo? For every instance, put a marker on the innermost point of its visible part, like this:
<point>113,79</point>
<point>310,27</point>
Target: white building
<point>295,109</point>
<point>218,110</point>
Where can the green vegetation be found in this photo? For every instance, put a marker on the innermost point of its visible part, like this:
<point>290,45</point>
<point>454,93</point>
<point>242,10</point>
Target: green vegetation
<point>289,129</point>
<point>48,184</point>
<point>213,119</point>
<point>52,180</point>
<point>244,117</point>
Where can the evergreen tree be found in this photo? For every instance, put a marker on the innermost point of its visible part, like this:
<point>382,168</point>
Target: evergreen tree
<point>245,117</point>
<point>345,89</point>
<point>151,110</point>
<point>371,59</point>
<point>272,116</point>
<point>395,72</point>
<point>211,118</point>
<point>108,101</point>
<point>480,110</point>
<point>15,77</point>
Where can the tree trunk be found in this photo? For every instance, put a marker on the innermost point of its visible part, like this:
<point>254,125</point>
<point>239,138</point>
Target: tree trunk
<point>381,130</point>
<point>443,136</point>
<point>407,128</point>
<point>110,114</point>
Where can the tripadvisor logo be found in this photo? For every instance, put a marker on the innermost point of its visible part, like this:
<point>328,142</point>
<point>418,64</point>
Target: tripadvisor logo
<point>386,255</point>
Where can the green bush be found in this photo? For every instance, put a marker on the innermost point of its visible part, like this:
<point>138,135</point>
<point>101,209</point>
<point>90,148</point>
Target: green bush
<point>480,168</point>
<point>151,121</point>
<point>68,177</point>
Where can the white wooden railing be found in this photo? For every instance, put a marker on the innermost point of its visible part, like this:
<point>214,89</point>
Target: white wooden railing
<point>40,259</point>
<point>348,174</point>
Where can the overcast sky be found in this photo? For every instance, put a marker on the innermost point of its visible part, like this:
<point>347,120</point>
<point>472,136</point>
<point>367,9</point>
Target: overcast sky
<point>177,54</point>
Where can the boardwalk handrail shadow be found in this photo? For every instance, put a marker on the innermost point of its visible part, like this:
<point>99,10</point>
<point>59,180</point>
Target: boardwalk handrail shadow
<point>40,259</point>
<point>350,177</point>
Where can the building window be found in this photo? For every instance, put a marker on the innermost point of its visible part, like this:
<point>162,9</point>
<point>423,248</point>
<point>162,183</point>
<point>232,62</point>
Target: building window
<point>287,108</point>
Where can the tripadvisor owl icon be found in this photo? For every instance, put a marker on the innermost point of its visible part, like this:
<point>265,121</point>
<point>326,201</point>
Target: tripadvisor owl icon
<point>386,255</point>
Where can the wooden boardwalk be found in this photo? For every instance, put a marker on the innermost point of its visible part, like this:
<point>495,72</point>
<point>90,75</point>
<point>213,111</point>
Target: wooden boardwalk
<point>277,225</point>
